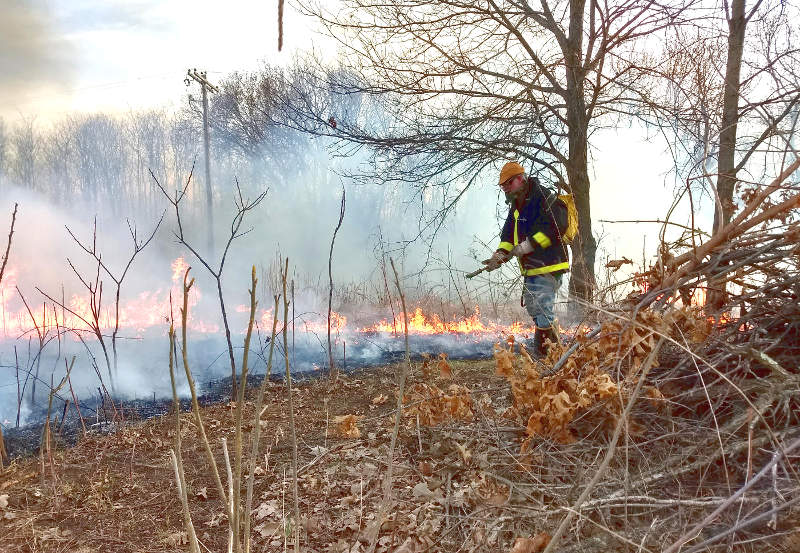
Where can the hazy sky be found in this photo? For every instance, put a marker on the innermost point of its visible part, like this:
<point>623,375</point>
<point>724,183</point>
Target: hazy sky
<point>61,56</point>
<point>58,57</point>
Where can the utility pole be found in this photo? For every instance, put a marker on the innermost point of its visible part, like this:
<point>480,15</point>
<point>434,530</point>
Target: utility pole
<point>205,86</point>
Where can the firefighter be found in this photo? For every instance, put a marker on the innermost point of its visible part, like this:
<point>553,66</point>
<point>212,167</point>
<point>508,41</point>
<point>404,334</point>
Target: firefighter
<point>531,234</point>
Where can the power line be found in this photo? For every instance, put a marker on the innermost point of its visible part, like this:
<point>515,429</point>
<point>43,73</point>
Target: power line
<point>69,92</point>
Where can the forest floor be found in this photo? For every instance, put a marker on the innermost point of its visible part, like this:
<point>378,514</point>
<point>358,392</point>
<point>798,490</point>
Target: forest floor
<point>459,485</point>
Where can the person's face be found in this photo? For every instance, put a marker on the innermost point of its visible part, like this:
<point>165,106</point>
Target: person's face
<point>514,185</point>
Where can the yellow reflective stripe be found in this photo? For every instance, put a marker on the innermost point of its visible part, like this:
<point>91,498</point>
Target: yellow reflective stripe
<point>516,235</point>
<point>547,269</point>
<point>542,239</point>
<point>505,246</point>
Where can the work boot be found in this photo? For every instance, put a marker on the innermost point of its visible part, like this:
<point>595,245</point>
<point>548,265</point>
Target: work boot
<point>551,333</point>
<point>538,350</point>
<point>539,341</point>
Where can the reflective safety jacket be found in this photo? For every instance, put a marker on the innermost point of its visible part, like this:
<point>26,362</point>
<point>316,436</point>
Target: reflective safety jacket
<point>533,218</point>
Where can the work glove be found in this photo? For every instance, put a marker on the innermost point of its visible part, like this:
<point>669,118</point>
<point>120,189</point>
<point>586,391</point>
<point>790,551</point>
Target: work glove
<point>523,248</point>
<point>498,258</point>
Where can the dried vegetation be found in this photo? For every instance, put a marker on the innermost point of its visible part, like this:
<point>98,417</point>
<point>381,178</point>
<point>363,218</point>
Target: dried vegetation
<point>668,427</point>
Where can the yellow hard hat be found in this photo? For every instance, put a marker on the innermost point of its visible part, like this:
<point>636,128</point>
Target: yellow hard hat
<point>510,169</point>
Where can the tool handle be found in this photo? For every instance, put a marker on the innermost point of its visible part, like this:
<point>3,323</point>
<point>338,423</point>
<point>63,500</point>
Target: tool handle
<point>475,273</point>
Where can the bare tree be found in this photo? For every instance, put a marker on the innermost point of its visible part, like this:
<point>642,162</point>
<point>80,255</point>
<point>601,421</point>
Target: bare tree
<point>102,160</point>
<point>3,151</point>
<point>147,136</point>
<point>731,104</point>
<point>139,244</point>
<point>243,206</point>
<point>471,84</point>
<point>25,150</point>
<point>58,162</point>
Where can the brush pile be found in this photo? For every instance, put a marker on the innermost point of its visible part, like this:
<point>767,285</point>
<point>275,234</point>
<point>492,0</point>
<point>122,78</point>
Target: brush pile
<point>709,460</point>
<point>672,426</point>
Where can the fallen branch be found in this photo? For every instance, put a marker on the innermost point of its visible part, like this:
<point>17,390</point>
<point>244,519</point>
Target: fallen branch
<point>722,506</point>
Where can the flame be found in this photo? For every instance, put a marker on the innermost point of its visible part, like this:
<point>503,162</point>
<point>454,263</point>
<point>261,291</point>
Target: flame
<point>179,267</point>
<point>152,309</point>
<point>147,310</point>
<point>699,297</point>
<point>420,324</point>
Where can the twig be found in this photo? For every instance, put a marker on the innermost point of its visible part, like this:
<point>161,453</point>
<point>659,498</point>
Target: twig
<point>621,423</point>
<point>563,359</point>
<point>285,275</point>
<point>744,524</point>
<point>722,506</point>
<point>175,452</point>
<point>187,517</point>
<point>237,453</point>
<point>8,246</point>
<point>229,473</point>
<point>77,406</point>
<point>406,367</point>
<point>195,405</point>
<point>256,434</point>
<point>331,363</point>
<point>3,452</point>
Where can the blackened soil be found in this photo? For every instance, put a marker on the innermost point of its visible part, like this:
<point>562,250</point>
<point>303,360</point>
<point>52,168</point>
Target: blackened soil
<point>103,415</point>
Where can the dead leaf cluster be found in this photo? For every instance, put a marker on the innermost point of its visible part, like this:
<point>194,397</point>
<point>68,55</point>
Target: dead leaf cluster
<point>345,426</point>
<point>430,367</point>
<point>546,406</point>
<point>435,406</point>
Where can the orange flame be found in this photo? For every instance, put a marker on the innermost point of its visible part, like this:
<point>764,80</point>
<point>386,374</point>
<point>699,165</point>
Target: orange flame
<point>418,323</point>
<point>699,297</point>
<point>179,267</point>
<point>152,310</point>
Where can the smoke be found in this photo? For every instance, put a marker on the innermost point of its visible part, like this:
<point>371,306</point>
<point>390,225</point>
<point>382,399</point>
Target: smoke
<point>34,56</point>
<point>296,219</point>
<point>83,179</point>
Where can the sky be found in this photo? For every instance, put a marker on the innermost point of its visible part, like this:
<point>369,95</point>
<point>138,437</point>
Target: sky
<point>58,57</point>
<point>61,57</point>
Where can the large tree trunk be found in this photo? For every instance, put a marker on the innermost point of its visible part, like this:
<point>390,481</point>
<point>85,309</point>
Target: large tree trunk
<point>726,179</point>
<point>726,168</point>
<point>584,247</point>
<point>582,281</point>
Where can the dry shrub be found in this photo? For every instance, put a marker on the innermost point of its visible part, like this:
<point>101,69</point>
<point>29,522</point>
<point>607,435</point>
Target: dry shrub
<point>429,367</point>
<point>445,371</point>
<point>547,405</point>
<point>434,406</point>
<point>531,545</point>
